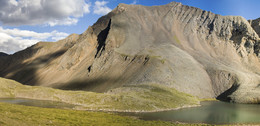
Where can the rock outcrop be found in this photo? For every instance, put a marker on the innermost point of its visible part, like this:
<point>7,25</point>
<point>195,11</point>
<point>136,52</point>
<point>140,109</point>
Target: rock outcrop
<point>194,51</point>
<point>255,25</point>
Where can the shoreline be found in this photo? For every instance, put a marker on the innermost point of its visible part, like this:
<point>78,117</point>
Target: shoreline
<point>81,107</point>
<point>137,111</point>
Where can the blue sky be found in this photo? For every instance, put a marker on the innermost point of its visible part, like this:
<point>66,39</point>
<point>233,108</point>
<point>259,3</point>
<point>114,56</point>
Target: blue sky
<point>25,22</point>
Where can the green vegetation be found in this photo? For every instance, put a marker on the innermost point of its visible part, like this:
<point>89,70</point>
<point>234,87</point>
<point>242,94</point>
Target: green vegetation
<point>208,99</point>
<point>141,97</point>
<point>151,97</point>
<point>176,39</point>
<point>23,115</point>
<point>11,115</point>
<point>162,60</point>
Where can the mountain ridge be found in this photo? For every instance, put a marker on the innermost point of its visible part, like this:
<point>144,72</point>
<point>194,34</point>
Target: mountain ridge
<point>181,47</point>
<point>3,54</point>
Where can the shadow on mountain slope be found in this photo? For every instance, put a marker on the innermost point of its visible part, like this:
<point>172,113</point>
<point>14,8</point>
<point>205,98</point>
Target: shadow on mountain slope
<point>101,84</point>
<point>13,62</point>
<point>102,36</point>
<point>27,75</point>
<point>225,95</point>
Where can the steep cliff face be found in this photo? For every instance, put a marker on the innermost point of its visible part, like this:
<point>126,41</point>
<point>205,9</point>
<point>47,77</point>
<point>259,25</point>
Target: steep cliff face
<point>177,46</point>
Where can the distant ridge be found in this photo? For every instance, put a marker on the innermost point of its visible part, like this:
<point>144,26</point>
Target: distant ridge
<point>3,54</point>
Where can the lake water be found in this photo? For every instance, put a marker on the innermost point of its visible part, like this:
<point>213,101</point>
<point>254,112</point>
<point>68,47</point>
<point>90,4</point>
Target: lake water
<point>211,112</point>
<point>37,103</point>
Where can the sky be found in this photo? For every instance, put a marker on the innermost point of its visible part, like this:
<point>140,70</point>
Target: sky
<point>26,22</point>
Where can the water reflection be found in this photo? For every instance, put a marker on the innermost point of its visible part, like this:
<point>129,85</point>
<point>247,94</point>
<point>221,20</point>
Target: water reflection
<point>225,113</point>
<point>37,103</point>
<point>212,112</point>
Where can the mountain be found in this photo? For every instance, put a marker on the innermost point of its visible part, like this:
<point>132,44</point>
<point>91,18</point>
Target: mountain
<point>3,54</point>
<point>175,46</point>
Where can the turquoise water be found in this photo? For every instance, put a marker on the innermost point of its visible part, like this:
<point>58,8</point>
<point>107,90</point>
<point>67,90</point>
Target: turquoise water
<point>37,103</point>
<point>212,112</point>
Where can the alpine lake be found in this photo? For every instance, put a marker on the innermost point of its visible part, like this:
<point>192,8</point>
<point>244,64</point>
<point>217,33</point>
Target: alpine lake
<point>210,112</point>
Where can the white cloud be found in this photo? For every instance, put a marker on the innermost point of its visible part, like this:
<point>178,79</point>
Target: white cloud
<point>101,8</point>
<point>86,8</point>
<point>13,40</point>
<point>134,2</point>
<point>33,12</point>
<point>67,21</point>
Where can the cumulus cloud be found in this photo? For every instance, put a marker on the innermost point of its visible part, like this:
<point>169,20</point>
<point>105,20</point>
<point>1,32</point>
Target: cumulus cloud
<point>33,12</point>
<point>101,8</point>
<point>13,40</point>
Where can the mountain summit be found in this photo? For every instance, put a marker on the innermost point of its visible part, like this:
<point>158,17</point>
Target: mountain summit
<point>175,46</point>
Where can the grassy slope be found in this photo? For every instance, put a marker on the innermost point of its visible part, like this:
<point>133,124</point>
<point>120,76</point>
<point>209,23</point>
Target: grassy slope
<point>145,97</point>
<point>23,115</point>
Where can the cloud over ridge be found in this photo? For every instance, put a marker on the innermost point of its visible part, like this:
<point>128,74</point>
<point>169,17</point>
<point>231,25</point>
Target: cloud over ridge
<point>13,40</point>
<point>101,8</point>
